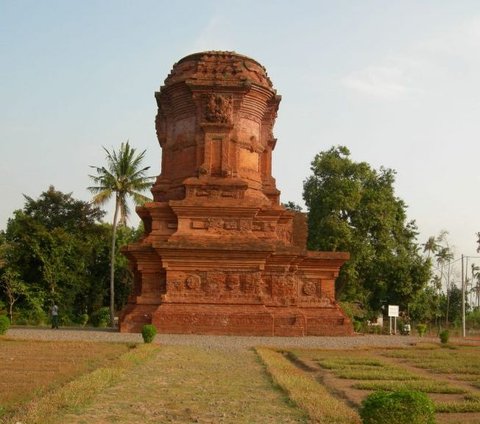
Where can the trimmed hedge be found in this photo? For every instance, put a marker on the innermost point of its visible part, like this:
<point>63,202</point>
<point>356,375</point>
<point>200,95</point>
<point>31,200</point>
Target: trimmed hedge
<point>444,336</point>
<point>399,407</point>
<point>149,332</point>
<point>421,329</point>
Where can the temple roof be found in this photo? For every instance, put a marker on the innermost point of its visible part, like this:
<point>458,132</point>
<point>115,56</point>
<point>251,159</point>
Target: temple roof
<point>219,67</point>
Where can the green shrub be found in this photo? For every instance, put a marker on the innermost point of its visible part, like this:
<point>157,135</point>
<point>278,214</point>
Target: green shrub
<point>400,407</point>
<point>32,316</point>
<point>421,329</point>
<point>101,317</point>
<point>149,332</point>
<point>444,336</point>
<point>83,319</point>
<point>4,324</point>
<point>357,326</point>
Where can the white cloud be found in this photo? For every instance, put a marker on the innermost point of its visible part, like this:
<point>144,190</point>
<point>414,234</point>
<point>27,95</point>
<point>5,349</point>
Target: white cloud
<point>431,65</point>
<point>387,82</point>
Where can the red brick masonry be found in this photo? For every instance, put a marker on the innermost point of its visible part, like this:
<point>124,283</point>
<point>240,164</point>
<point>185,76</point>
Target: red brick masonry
<point>220,255</point>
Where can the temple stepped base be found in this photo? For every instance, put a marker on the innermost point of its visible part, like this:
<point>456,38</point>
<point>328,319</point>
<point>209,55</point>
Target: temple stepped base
<point>246,320</point>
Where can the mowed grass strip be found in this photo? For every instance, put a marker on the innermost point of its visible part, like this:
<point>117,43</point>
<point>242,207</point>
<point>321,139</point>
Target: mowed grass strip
<point>470,403</point>
<point>78,393</point>
<point>185,384</point>
<point>363,368</point>
<point>456,407</point>
<point>306,392</point>
<point>462,360</point>
<point>425,386</point>
<point>40,366</point>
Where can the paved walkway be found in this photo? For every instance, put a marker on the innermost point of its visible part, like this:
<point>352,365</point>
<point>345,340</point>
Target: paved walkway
<point>206,341</point>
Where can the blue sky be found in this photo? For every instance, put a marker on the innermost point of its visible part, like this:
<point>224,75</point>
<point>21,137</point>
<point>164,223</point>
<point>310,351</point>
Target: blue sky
<point>395,81</point>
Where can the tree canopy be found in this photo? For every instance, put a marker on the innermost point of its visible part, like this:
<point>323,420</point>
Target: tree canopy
<point>56,249</point>
<point>353,207</point>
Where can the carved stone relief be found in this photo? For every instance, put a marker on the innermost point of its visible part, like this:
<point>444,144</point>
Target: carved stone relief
<point>193,282</point>
<point>214,282</point>
<point>309,288</point>
<point>219,109</point>
<point>233,283</point>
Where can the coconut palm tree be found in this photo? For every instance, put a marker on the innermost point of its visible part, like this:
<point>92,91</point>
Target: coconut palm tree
<point>475,284</point>
<point>431,246</point>
<point>123,177</point>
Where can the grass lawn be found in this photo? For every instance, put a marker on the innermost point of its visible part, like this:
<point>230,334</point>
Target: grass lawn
<point>29,369</point>
<point>79,382</point>
<point>449,375</point>
<point>183,384</point>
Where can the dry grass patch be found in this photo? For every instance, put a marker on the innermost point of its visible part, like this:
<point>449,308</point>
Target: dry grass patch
<point>354,366</point>
<point>306,392</point>
<point>30,368</point>
<point>185,384</point>
<point>78,393</point>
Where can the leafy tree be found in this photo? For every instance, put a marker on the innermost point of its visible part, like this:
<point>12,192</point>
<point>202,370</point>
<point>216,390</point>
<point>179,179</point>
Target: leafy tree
<point>123,177</point>
<point>48,246</point>
<point>426,306</point>
<point>353,208</point>
<point>451,305</point>
<point>292,206</point>
<point>14,288</point>
<point>54,209</point>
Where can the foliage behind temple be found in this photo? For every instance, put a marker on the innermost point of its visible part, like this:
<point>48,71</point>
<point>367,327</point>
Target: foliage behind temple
<point>353,207</point>
<point>56,249</point>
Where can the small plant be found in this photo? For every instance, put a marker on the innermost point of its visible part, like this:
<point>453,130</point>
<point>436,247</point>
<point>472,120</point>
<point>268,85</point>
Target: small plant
<point>149,332</point>
<point>83,319</point>
<point>357,326</point>
<point>4,324</point>
<point>421,329</point>
<point>101,317</point>
<point>400,407</point>
<point>444,336</point>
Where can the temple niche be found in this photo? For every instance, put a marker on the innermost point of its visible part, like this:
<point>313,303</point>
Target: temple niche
<point>220,255</point>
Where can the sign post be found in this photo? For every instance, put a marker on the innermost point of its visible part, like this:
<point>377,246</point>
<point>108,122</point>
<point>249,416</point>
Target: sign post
<point>393,313</point>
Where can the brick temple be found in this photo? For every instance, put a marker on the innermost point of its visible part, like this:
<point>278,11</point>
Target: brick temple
<point>220,255</point>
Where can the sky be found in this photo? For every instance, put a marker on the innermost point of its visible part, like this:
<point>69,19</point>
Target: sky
<point>397,82</point>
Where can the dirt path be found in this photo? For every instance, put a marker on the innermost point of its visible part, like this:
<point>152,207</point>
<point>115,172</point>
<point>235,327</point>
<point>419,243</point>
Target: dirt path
<point>187,384</point>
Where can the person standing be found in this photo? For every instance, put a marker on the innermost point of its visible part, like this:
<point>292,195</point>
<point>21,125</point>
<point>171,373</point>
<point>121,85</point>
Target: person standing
<point>54,313</point>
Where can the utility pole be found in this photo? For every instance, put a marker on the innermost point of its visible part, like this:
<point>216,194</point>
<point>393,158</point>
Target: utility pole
<point>463,301</point>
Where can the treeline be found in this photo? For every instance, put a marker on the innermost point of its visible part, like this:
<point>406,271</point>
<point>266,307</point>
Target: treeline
<point>353,207</point>
<point>57,250</point>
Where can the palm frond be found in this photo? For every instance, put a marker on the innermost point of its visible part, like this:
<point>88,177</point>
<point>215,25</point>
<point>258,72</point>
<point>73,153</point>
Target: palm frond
<point>123,175</point>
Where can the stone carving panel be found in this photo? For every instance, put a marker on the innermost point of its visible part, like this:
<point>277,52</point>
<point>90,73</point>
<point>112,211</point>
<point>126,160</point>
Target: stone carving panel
<point>214,283</point>
<point>219,109</point>
<point>309,288</point>
<point>193,282</point>
<point>284,233</point>
<point>233,283</point>
<point>220,225</point>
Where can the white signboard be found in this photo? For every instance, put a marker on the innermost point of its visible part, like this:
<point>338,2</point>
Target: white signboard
<point>393,310</point>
